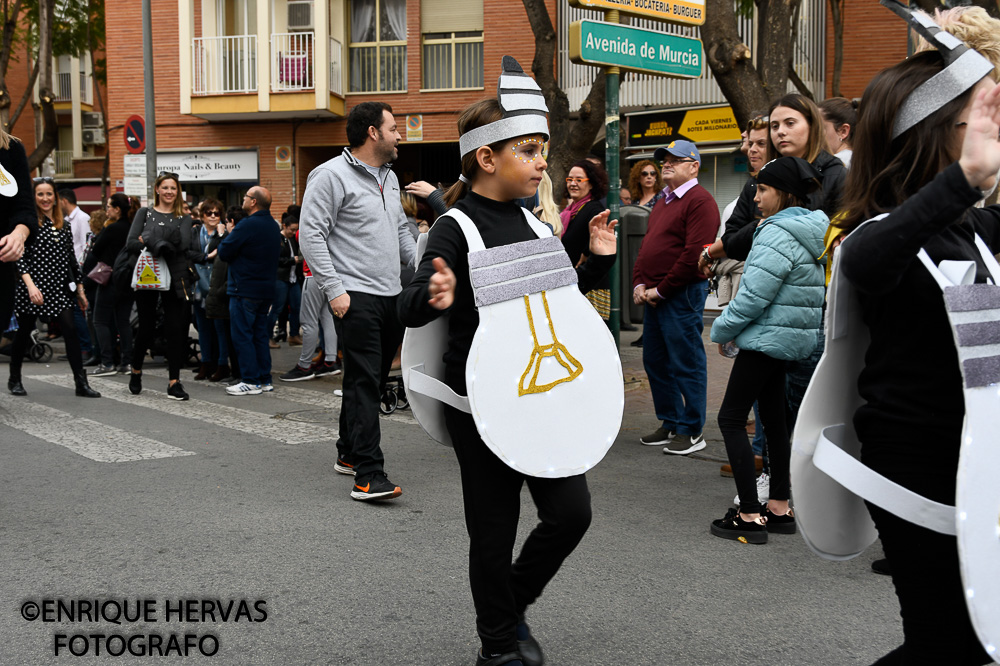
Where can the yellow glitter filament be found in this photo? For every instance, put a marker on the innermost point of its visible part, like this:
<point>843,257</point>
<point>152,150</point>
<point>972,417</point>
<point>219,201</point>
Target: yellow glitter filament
<point>555,350</point>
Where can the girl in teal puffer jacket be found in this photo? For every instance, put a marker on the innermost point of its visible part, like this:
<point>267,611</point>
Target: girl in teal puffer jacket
<point>774,318</point>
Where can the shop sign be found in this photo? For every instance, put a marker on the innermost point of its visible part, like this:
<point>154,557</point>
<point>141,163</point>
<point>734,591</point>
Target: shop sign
<point>688,12</point>
<point>649,51</point>
<point>211,166</point>
<point>705,125</point>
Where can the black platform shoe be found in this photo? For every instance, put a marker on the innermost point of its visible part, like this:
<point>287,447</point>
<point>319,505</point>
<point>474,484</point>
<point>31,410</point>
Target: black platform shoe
<point>83,389</point>
<point>15,387</point>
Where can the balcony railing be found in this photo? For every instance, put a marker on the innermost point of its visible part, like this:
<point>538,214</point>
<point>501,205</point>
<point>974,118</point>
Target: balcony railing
<point>224,65</point>
<point>64,88</point>
<point>64,162</point>
<point>336,67</point>
<point>292,61</point>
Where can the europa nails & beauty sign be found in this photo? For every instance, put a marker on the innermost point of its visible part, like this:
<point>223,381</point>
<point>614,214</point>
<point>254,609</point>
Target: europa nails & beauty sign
<point>596,43</point>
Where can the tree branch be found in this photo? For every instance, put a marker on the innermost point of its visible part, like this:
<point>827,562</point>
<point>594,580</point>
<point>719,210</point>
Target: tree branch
<point>29,89</point>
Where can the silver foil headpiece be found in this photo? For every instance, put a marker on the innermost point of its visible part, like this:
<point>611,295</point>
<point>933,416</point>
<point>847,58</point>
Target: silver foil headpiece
<point>963,68</point>
<point>524,110</point>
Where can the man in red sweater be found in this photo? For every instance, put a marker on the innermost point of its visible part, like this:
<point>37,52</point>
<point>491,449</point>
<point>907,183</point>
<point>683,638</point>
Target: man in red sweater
<point>684,220</point>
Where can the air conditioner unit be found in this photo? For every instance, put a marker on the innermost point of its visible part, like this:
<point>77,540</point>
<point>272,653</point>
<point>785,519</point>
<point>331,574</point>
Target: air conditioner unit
<point>93,136</point>
<point>93,119</point>
<point>300,15</point>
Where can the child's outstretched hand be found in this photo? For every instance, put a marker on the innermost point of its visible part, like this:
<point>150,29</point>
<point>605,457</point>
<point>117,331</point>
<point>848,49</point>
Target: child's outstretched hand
<point>442,286</point>
<point>602,234</point>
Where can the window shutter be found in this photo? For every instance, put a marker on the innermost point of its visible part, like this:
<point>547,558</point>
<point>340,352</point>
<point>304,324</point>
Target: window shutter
<point>451,16</point>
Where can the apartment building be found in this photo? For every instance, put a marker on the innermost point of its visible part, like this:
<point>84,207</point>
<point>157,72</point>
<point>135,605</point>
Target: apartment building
<point>252,91</point>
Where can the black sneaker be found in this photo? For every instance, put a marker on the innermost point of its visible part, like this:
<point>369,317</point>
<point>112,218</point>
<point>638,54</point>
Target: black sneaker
<point>731,526</point>
<point>135,384</point>
<point>344,467</point>
<point>124,369</point>
<point>527,646</point>
<point>324,368</point>
<point>780,524</point>
<point>881,567</point>
<point>659,437</point>
<point>177,392</point>
<point>685,444</point>
<point>297,374</point>
<point>103,371</point>
<point>376,486</point>
<point>506,659</point>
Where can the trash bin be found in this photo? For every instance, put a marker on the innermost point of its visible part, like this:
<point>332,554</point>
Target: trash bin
<point>633,220</point>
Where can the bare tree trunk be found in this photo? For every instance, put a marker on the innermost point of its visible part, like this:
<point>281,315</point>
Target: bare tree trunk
<point>28,92</point>
<point>731,61</point>
<point>46,96</point>
<point>569,139</point>
<point>10,17</point>
<point>775,18</point>
<point>837,15</point>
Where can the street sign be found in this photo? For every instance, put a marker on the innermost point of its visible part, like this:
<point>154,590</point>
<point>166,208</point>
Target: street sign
<point>688,12</point>
<point>135,186</point>
<point>283,158</point>
<point>649,51</point>
<point>415,127</point>
<point>135,135</point>
<point>134,165</point>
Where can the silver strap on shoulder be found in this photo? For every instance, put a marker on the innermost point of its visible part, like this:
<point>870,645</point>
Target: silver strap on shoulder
<point>424,384</point>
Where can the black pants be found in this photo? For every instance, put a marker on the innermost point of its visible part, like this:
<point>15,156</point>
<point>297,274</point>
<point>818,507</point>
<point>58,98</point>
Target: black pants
<point>22,340</point>
<point>370,332</point>
<point>111,318</point>
<point>924,563</point>
<point>492,495</point>
<point>756,376</point>
<point>176,320</point>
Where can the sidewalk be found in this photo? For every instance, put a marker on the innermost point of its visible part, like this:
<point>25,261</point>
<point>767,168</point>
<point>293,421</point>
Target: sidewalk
<point>639,414</point>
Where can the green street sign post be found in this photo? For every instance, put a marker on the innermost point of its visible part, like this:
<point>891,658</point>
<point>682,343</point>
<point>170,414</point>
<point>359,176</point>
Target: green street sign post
<point>649,51</point>
<point>616,47</point>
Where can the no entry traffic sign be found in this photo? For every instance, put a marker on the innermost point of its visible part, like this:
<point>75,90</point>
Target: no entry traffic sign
<point>135,135</point>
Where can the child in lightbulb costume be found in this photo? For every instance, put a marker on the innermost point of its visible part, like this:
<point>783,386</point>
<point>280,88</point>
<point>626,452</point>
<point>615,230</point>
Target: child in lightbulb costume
<point>520,375</point>
<point>898,428</point>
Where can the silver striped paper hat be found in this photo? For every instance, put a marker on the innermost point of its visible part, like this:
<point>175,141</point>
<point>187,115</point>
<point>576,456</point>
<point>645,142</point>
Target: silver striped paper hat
<point>963,68</point>
<point>524,110</point>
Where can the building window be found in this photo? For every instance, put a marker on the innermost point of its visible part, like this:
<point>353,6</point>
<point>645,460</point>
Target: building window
<point>452,44</point>
<point>377,45</point>
<point>453,59</point>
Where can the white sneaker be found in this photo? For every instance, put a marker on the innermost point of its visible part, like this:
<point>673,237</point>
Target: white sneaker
<point>244,389</point>
<point>266,388</point>
<point>763,489</point>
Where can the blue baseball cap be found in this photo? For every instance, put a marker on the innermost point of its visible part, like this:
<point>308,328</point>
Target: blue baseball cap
<point>679,148</point>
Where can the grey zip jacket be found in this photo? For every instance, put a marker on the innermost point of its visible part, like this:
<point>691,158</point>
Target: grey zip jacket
<point>352,230</point>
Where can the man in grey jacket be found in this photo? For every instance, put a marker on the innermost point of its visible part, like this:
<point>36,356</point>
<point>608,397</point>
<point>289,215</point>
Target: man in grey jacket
<point>353,234</point>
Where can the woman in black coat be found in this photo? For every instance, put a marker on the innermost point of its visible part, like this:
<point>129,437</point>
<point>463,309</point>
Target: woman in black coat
<point>111,311</point>
<point>586,184</point>
<point>17,218</point>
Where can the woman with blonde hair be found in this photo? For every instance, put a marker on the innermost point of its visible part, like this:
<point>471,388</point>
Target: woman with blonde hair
<point>547,211</point>
<point>645,182</point>
<point>47,270</point>
<point>165,231</point>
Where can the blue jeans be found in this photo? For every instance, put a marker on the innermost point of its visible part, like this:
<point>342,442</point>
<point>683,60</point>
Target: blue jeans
<point>286,294</point>
<point>82,330</point>
<point>673,355</point>
<point>248,320</point>
<point>208,339</point>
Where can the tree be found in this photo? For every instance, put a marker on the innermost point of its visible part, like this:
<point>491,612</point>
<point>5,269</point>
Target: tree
<point>570,139</point>
<point>46,95</point>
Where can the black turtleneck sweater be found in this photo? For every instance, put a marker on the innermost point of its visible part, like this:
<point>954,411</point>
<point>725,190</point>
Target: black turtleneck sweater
<point>499,223</point>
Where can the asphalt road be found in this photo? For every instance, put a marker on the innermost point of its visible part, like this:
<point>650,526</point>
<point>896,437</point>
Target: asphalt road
<point>230,499</point>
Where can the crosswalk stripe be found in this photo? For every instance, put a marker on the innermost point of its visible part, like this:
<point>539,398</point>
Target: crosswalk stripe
<point>323,399</point>
<point>88,438</point>
<point>224,416</point>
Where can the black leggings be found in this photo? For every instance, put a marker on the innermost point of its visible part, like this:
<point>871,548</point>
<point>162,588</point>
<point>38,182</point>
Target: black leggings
<point>756,376</point>
<point>176,318</point>
<point>22,340</point>
<point>492,495</point>
<point>924,563</point>
<point>111,316</point>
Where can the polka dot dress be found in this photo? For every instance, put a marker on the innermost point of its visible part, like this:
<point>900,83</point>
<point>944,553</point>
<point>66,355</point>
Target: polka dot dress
<point>48,260</point>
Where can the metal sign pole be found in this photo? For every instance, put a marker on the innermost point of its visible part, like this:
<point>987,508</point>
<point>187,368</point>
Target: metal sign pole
<point>147,69</point>
<point>611,158</point>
